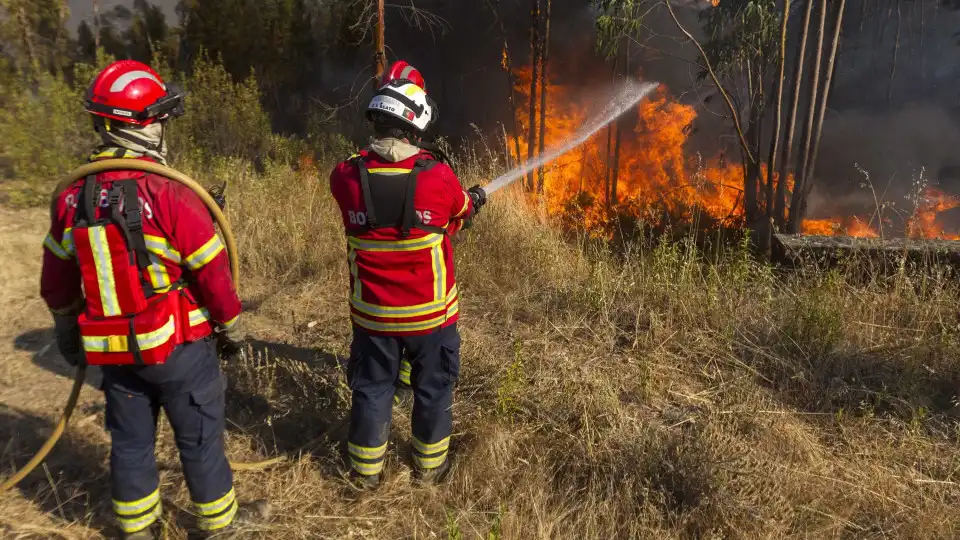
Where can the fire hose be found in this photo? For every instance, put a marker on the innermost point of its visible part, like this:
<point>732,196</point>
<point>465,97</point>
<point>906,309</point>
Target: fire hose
<point>231,246</point>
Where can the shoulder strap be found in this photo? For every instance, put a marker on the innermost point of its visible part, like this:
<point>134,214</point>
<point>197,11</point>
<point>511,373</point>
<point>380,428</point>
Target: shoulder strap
<point>129,221</point>
<point>365,186</point>
<point>87,204</point>
<point>409,212</point>
<point>410,217</point>
<point>134,221</point>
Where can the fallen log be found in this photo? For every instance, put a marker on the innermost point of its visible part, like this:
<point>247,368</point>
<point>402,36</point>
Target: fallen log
<point>803,250</point>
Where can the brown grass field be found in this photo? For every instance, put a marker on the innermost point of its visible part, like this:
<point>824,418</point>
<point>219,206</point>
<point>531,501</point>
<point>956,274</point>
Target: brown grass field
<point>654,394</point>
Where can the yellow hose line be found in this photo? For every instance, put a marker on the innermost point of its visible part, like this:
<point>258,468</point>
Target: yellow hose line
<point>227,233</point>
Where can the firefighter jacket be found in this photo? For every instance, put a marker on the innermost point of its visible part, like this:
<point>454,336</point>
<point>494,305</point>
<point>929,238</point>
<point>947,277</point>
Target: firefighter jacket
<point>184,266</point>
<point>399,217</point>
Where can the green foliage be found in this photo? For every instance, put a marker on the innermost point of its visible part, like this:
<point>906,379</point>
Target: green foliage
<point>222,118</point>
<point>618,19</point>
<point>742,33</point>
<point>44,132</point>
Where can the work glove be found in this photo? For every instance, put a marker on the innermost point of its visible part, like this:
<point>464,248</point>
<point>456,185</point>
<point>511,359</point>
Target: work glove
<point>478,196</point>
<point>230,344</point>
<point>67,333</point>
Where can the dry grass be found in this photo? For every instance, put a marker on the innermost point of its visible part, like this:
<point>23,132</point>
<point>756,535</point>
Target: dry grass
<point>646,395</point>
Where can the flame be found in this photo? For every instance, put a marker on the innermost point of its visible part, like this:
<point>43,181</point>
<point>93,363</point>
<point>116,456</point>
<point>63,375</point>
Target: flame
<point>657,180</point>
<point>656,177</point>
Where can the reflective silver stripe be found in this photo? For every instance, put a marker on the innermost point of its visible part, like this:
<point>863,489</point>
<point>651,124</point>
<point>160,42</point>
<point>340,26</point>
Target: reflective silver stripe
<point>55,247</point>
<point>133,508</point>
<point>213,524</point>
<point>104,266</point>
<point>199,316</point>
<point>201,257</point>
<point>402,245</point>
<point>160,246</point>
<point>132,525</point>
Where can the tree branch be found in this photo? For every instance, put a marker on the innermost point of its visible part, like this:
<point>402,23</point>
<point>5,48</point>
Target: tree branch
<point>716,81</point>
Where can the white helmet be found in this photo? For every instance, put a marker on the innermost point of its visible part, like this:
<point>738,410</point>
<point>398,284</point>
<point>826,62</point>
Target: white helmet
<point>405,101</point>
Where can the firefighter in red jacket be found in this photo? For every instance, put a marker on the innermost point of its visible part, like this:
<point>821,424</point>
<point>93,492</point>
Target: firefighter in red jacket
<point>400,204</point>
<point>139,283</point>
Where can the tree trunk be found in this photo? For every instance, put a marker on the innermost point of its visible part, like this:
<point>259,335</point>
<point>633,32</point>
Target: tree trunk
<point>512,81</point>
<point>380,55</point>
<point>615,177</point>
<point>607,166</point>
<point>534,64</point>
<point>96,26</point>
<point>818,129</point>
<point>767,231</point>
<point>544,57</point>
<point>751,178</point>
<point>802,177</point>
<point>896,53</point>
<point>781,202</point>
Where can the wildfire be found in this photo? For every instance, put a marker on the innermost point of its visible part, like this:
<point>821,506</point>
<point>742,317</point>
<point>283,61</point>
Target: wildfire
<point>656,180</point>
<point>654,176</point>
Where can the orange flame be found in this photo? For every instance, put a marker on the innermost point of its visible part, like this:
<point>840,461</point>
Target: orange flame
<point>655,176</point>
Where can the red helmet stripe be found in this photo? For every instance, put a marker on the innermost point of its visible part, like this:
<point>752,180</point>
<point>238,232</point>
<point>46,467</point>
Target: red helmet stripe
<point>127,78</point>
<point>406,72</point>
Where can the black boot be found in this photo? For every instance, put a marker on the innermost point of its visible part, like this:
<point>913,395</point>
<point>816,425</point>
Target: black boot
<point>150,533</point>
<point>432,476</point>
<point>249,515</point>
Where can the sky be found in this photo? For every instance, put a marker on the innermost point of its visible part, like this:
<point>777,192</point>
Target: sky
<point>83,9</point>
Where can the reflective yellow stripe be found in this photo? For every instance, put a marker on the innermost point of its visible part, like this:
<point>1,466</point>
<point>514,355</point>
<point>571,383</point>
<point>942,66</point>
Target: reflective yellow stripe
<point>405,326</point>
<point>429,463</point>
<point>133,508</point>
<point>399,245</point>
<point>231,322</point>
<point>466,205</point>
<point>219,522</point>
<point>431,448</point>
<point>367,469</point>
<point>439,274</point>
<point>201,257</point>
<point>159,277</point>
<point>199,316</point>
<point>54,247</point>
<point>132,525</point>
<point>147,341</point>
<point>405,372</point>
<point>389,170</point>
<point>403,311</point>
<point>217,506</point>
<point>67,243</point>
<point>162,247</point>
<point>104,266</point>
<point>367,452</point>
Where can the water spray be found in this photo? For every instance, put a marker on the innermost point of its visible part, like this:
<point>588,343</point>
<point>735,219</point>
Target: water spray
<point>630,93</point>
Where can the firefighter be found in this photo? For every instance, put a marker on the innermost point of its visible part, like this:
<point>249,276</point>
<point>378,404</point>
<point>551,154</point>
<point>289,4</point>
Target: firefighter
<point>400,204</point>
<point>139,284</point>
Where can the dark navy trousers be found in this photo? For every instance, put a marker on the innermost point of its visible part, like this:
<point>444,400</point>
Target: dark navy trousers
<point>190,388</point>
<point>374,368</point>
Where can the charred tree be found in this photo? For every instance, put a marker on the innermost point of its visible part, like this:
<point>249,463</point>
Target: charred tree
<point>777,125</point>
<point>807,143</point>
<point>780,210</point>
<point>534,65</point>
<point>818,129</point>
<point>615,173</point>
<point>380,55</point>
<point>544,58</point>
<point>507,65</point>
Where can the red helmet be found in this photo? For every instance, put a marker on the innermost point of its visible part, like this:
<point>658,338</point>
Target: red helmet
<point>130,91</point>
<point>401,70</point>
